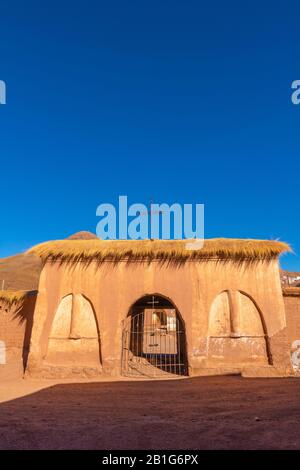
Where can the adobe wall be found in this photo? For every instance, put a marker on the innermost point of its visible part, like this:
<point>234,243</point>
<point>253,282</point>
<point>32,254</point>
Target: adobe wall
<point>15,332</point>
<point>193,286</point>
<point>292,309</point>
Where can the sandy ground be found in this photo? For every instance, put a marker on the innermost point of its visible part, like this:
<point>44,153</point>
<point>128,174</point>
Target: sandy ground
<point>194,413</point>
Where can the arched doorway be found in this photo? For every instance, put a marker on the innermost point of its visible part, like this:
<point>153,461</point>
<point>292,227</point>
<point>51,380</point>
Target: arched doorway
<point>153,341</point>
<point>236,331</point>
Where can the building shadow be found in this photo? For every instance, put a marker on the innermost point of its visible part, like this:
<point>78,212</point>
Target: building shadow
<point>24,314</point>
<point>190,413</point>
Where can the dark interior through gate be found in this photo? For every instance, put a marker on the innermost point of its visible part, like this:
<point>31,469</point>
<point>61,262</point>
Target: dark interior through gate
<point>154,342</point>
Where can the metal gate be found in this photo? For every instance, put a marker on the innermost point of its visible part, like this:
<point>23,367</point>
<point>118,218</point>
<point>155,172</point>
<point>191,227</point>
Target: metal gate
<point>153,344</point>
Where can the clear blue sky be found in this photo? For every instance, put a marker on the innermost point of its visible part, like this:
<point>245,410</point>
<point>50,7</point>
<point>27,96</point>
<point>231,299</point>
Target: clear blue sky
<point>174,101</point>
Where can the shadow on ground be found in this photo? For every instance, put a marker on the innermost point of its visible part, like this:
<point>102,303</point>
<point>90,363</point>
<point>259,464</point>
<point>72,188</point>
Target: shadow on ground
<point>195,413</point>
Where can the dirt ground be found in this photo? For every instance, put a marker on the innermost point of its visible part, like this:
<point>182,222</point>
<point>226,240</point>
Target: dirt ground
<point>194,413</point>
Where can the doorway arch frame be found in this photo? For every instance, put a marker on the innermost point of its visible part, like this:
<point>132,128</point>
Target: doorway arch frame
<point>180,320</point>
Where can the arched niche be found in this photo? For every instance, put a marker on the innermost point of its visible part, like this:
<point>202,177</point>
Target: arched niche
<point>74,335</point>
<point>219,317</point>
<point>248,318</point>
<point>236,332</point>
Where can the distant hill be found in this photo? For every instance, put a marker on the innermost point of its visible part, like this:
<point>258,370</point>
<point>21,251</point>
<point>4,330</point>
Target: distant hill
<point>22,272</point>
<point>83,236</point>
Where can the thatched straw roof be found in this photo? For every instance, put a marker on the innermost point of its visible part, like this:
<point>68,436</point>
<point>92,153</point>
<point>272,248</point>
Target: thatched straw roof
<point>73,251</point>
<point>13,297</point>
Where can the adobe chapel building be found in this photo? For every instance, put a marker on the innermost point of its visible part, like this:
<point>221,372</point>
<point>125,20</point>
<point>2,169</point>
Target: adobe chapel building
<point>154,308</point>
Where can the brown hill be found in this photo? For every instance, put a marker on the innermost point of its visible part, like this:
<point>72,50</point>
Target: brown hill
<point>83,236</point>
<point>22,271</point>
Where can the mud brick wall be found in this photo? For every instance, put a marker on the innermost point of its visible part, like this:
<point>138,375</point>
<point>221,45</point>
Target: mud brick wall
<point>221,304</point>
